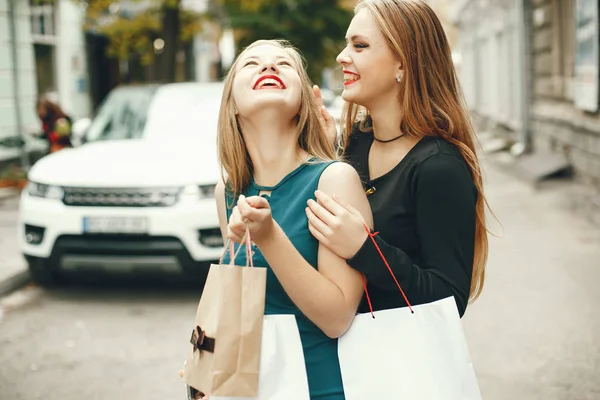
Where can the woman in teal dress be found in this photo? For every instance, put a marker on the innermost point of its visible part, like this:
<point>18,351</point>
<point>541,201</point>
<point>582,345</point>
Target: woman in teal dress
<point>275,156</point>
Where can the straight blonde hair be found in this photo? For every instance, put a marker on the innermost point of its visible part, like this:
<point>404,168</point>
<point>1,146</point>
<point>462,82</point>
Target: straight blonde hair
<point>430,98</point>
<point>236,166</point>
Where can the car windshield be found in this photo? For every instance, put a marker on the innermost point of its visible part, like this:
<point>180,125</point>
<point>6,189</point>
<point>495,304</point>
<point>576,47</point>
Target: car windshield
<point>122,115</point>
<point>186,111</point>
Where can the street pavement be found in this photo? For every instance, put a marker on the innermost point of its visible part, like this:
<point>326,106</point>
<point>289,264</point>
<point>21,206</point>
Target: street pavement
<point>13,271</point>
<point>534,334</point>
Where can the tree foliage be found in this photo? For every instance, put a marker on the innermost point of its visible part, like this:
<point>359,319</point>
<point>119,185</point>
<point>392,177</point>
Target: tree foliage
<point>134,33</point>
<point>315,27</point>
<point>132,26</point>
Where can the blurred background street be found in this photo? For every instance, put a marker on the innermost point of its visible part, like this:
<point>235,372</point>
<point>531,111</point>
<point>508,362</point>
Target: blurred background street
<point>104,246</point>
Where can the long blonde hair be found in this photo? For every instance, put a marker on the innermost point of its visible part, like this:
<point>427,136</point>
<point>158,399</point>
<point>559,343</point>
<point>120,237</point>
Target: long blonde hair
<point>430,97</point>
<point>236,165</point>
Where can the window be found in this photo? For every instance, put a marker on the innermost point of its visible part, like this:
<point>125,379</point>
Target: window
<point>567,36</point>
<point>43,34</point>
<point>563,53</point>
<point>45,61</point>
<point>43,27</point>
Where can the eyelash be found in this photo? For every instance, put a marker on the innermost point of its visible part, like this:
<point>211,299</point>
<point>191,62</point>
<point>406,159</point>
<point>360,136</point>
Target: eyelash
<point>360,46</point>
<point>279,63</point>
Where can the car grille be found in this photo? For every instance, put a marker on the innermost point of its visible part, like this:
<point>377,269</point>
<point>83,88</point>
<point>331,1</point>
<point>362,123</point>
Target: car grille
<point>120,197</point>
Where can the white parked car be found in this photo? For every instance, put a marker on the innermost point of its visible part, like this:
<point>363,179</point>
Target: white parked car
<point>137,195</point>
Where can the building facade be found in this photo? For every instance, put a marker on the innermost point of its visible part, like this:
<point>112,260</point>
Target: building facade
<point>50,59</point>
<point>530,75</point>
<point>491,63</point>
<point>564,111</point>
<point>59,48</point>
<point>17,74</point>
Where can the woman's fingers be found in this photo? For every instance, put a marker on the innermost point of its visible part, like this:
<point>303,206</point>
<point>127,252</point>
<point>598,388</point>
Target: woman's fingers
<point>318,96</point>
<point>331,205</point>
<point>329,120</point>
<point>236,226</point>
<point>322,213</point>
<point>257,202</point>
<point>235,217</point>
<point>246,211</point>
<point>253,209</point>
<point>316,223</point>
<point>354,212</point>
<point>235,235</point>
<point>340,202</point>
<point>317,235</point>
<point>236,222</point>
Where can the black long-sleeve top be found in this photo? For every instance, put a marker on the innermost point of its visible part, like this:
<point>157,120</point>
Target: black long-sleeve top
<point>424,211</point>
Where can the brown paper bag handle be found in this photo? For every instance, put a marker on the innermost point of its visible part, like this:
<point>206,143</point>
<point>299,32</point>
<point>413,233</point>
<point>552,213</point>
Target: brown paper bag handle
<point>233,253</point>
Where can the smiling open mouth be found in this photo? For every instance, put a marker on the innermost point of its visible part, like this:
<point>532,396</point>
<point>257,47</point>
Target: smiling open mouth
<point>350,78</point>
<point>269,82</point>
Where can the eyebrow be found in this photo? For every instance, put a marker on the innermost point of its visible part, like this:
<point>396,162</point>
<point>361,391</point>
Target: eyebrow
<point>354,37</point>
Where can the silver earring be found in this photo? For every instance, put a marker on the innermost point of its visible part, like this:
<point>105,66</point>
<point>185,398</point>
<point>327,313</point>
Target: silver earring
<point>398,78</point>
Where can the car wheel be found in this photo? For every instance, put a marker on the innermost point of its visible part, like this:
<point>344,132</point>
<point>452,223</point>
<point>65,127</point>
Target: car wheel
<point>41,271</point>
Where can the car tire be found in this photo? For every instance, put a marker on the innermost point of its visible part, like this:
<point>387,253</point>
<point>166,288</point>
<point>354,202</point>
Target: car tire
<point>41,271</point>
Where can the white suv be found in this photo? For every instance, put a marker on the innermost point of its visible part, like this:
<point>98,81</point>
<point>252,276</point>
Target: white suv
<point>138,195</point>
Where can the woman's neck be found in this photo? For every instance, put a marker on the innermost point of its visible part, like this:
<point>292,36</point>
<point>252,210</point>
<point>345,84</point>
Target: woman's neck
<point>386,120</point>
<point>273,148</point>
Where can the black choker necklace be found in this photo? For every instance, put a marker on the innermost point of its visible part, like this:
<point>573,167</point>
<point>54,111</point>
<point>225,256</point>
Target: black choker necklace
<point>387,141</point>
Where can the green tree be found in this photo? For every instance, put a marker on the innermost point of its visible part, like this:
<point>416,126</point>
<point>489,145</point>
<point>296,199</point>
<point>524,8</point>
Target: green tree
<point>315,27</point>
<point>132,31</point>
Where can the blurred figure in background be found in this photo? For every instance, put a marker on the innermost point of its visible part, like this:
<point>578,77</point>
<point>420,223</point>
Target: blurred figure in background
<point>56,124</point>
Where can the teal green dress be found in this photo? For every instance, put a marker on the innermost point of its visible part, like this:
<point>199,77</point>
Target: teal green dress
<point>288,202</point>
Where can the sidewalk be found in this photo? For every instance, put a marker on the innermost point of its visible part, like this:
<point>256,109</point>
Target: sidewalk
<point>533,334</point>
<point>13,270</point>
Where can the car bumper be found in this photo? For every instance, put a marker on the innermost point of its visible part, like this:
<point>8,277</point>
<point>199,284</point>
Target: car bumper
<point>186,231</point>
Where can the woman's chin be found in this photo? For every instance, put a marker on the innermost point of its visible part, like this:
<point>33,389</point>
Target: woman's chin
<point>349,96</point>
<point>273,107</point>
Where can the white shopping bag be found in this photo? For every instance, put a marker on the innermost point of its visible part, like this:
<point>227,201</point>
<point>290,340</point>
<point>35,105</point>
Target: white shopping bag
<point>413,353</point>
<point>282,368</point>
<point>401,355</point>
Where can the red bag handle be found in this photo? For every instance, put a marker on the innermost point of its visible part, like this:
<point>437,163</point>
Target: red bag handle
<point>372,236</point>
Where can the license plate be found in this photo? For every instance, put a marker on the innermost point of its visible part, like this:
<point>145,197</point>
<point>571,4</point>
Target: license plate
<point>130,225</point>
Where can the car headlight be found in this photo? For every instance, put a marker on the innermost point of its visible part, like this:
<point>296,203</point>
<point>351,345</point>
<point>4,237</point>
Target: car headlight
<point>45,191</point>
<point>200,191</point>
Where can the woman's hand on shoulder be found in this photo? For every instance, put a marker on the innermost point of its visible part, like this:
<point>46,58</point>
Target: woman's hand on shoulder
<point>325,118</point>
<point>337,219</point>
